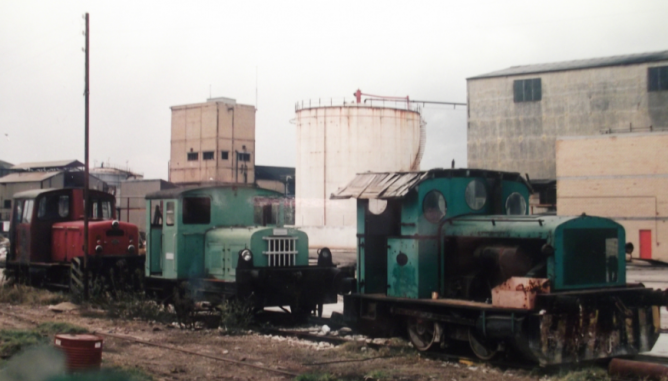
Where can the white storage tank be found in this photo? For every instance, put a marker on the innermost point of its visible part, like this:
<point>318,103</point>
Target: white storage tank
<point>335,142</point>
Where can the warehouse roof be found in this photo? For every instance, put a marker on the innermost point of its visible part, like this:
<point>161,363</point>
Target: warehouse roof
<point>49,165</point>
<point>629,59</point>
<point>27,177</point>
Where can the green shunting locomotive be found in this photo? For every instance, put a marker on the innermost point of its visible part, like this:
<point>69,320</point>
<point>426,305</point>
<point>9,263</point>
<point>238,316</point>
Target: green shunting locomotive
<point>452,255</point>
<point>230,242</point>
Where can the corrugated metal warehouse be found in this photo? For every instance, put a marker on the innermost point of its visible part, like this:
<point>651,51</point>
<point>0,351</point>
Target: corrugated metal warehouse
<point>516,114</point>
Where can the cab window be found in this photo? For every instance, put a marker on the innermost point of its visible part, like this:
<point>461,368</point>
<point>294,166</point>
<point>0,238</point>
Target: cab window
<point>157,214</point>
<point>27,211</point>
<point>53,207</point>
<point>169,213</point>
<point>18,211</point>
<point>196,210</point>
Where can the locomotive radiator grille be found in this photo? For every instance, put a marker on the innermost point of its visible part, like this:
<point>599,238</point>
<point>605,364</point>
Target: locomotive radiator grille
<point>281,251</point>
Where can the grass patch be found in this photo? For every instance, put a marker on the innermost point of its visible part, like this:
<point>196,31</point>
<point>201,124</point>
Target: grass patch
<point>586,374</point>
<point>22,294</point>
<point>315,377</point>
<point>236,316</point>
<point>14,341</point>
<point>376,375</point>
<point>114,374</point>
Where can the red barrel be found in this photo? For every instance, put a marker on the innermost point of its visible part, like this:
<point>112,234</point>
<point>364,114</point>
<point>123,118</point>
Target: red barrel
<point>83,352</point>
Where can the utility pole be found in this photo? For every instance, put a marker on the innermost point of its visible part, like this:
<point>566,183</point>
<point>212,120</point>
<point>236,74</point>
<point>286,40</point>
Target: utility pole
<point>85,190</point>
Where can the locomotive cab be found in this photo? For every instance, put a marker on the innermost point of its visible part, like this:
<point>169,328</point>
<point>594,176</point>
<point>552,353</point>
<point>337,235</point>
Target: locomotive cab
<point>47,234</point>
<point>230,242</point>
<point>452,255</point>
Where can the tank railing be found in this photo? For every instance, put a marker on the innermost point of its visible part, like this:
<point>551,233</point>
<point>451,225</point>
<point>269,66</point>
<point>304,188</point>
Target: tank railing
<point>632,128</point>
<point>338,102</point>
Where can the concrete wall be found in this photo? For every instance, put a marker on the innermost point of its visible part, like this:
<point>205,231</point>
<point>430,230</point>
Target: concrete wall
<point>215,127</point>
<point>334,144</point>
<point>333,237</point>
<point>520,137</point>
<point>132,203</point>
<point>621,176</point>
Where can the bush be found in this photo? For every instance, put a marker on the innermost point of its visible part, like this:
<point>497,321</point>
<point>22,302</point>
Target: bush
<point>132,305</point>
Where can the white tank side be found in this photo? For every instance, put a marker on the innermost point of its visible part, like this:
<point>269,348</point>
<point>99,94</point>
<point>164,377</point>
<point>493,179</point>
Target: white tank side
<point>335,143</point>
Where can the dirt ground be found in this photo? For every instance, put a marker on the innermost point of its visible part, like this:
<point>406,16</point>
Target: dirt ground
<point>287,357</point>
<point>293,356</point>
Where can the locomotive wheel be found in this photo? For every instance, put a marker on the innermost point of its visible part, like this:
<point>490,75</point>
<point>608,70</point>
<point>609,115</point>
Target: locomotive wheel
<point>424,334</point>
<point>483,350</point>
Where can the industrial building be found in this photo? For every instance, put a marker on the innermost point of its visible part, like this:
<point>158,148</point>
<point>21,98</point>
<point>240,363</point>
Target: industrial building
<point>42,175</point>
<point>622,176</point>
<point>334,143</point>
<point>516,114</point>
<point>212,142</point>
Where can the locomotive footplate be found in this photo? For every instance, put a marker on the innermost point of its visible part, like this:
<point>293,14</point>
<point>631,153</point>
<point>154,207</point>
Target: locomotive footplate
<point>565,327</point>
<point>300,287</point>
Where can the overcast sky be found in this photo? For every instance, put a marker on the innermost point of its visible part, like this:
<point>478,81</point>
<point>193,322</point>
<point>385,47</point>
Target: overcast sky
<point>149,55</point>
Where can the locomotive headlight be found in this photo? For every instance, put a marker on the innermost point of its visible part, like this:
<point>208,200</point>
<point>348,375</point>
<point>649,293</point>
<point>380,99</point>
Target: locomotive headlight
<point>131,249</point>
<point>114,224</point>
<point>247,255</point>
<point>629,248</point>
<point>98,249</point>
<point>325,257</point>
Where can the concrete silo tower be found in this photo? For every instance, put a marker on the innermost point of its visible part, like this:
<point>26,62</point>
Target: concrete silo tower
<point>335,142</point>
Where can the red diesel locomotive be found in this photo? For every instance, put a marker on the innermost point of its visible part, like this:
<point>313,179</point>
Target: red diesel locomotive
<point>47,238</point>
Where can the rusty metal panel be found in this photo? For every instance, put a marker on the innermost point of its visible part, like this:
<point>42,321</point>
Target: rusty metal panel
<point>519,292</point>
<point>384,185</point>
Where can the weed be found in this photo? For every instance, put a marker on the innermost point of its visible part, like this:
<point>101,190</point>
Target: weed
<point>22,294</point>
<point>235,316</point>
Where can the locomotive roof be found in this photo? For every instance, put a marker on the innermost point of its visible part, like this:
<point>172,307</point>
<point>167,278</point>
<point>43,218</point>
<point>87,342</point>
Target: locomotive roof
<point>178,192</point>
<point>388,185</point>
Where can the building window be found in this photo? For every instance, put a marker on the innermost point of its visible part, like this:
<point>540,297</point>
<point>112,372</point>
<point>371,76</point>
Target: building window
<point>243,156</point>
<point>8,204</point>
<point>657,78</point>
<point>224,155</point>
<point>207,155</point>
<point>193,156</point>
<point>527,90</point>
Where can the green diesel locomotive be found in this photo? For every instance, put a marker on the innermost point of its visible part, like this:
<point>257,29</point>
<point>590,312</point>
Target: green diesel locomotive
<point>231,242</point>
<point>452,255</point>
